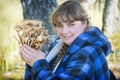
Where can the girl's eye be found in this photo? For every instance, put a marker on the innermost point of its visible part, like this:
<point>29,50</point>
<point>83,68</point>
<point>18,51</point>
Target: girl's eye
<point>71,24</point>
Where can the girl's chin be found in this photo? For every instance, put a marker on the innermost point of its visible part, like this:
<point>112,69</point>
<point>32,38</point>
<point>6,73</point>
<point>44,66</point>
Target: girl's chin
<point>68,42</point>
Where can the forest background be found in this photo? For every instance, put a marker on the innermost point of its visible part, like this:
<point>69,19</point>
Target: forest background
<point>12,12</point>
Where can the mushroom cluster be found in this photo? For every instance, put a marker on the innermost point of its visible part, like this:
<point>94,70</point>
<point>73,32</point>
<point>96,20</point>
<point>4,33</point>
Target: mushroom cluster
<point>31,32</point>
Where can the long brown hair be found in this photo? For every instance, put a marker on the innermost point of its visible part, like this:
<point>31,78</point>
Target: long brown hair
<point>69,11</point>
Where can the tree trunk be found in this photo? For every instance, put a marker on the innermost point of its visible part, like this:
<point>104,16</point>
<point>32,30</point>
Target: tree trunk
<point>40,10</point>
<point>110,17</point>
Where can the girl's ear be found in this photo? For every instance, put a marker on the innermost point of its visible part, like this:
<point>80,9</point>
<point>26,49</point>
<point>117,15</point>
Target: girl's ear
<point>84,22</point>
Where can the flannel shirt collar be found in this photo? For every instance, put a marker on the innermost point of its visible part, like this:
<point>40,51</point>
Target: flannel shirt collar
<point>92,36</point>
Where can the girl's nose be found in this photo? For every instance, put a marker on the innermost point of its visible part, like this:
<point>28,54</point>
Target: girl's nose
<point>65,30</point>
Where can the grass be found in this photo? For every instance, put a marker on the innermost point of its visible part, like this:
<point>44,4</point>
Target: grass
<point>11,13</point>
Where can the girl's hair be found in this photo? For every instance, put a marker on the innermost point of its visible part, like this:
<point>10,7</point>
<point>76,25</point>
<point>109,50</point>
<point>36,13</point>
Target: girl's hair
<point>69,11</point>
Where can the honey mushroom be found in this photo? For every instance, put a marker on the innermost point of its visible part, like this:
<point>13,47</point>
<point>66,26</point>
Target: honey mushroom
<point>32,33</point>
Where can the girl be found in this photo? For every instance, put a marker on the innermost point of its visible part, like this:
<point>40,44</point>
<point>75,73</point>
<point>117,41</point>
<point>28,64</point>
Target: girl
<point>79,53</point>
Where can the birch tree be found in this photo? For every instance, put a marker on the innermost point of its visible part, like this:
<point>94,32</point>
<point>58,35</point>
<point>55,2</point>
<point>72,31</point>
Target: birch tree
<point>110,17</point>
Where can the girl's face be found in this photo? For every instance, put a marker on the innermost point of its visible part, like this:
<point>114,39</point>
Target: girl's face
<point>69,31</point>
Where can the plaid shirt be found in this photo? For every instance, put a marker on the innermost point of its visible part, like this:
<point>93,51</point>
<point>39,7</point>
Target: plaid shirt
<point>85,59</point>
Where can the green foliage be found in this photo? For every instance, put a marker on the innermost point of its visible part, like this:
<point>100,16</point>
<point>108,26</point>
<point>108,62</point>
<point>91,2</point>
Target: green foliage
<point>115,41</point>
<point>11,13</point>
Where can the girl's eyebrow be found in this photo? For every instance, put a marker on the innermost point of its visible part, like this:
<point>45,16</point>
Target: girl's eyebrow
<point>71,21</point>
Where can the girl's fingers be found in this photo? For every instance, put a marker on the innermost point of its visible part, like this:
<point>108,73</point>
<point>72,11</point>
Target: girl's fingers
<point>26,56</point>
<point>26,51</point>
<point>31,50</point>
<point>30,55</point>
<point>20,53</point>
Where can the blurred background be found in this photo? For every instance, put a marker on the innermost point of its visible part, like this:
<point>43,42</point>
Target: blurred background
<point>104,14</point>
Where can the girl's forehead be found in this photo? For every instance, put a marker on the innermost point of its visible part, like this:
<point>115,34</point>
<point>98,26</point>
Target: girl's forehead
<point>64,18</point>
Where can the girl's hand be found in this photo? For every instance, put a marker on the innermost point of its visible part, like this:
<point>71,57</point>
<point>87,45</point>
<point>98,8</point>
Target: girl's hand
<point>30,55</point>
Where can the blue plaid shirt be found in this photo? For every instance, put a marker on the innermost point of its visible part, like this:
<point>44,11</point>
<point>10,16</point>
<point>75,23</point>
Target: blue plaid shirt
<point>85,59</point>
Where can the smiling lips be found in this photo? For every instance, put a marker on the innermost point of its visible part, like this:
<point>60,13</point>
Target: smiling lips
<point>67,37</point>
